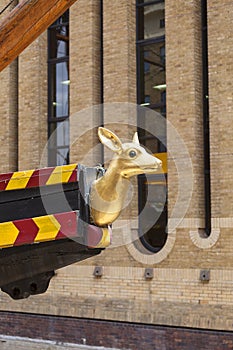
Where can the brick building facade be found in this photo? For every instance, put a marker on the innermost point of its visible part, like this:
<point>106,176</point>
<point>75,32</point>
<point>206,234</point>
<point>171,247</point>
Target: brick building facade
<point>190,287</point>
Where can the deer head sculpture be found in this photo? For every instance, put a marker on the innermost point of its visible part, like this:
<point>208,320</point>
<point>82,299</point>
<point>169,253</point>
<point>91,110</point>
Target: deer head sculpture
<point>108,192</point>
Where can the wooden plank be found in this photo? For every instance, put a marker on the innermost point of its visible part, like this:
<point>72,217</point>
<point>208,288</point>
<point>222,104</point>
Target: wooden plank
<point>19,263</point>
<point>25,23</point>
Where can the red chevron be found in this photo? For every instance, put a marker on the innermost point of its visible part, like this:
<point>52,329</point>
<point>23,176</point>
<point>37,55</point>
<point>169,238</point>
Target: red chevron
<point>74,176</point>
<point>68,222</point>
<point>27,231</point>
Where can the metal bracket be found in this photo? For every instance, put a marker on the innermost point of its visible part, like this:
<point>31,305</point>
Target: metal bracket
<point>86,176</point>
<point>205,275</point>
<point>149,273</point>
<point>29,286</point>
<point>98,271</point>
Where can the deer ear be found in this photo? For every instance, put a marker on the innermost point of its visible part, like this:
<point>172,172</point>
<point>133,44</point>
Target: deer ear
<point>136,139</point>
<point>109,139</point>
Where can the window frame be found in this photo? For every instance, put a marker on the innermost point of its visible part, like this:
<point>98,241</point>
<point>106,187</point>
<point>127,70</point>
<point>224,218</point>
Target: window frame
<point>51,62</point>
<point>140,43</point>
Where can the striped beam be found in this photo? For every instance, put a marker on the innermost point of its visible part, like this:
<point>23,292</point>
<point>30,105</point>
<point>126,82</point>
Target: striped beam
<point>39,177</point>
<point>49,228</point>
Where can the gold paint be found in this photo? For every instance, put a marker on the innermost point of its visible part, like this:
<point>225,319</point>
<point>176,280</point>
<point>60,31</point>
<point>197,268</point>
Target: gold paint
<point>163,157</point>
<point>105,240</point>
<point>108,193</point>
<point>8,234</point>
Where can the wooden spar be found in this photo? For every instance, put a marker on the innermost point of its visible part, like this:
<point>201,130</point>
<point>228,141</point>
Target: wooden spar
<point>25,23</point>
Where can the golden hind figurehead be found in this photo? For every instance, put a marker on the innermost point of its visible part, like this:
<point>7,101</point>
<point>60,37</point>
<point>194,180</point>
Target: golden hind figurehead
<point>108,192</point>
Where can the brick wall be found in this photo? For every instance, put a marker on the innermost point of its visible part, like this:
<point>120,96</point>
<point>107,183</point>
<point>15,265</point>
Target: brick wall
<point>175,296</point>
<point>112,334</point>
<point>85,87</point>
<point>24,107</point>
<point>32,119</point>
<point>119,52</point>
<point>220,84</point>
<point>9,112</point>
<point>184,99</point>
<point>172,297</point>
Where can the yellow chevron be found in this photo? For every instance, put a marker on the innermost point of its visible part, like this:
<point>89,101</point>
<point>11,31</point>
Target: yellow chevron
<point>105,240</point>
<point>61,174</point>
<point>48,228</point>
<point>8,234</point>
<point>19,180</point>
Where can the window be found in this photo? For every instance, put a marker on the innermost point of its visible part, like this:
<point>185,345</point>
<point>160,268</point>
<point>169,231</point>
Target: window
<point>58,91</point>
<point>146,62</point>
<point>162,23</point>
<point>151,77</point>
<point>151,81</point>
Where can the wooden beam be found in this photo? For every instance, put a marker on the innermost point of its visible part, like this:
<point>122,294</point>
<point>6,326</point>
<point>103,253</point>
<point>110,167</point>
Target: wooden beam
<point>25,23</point>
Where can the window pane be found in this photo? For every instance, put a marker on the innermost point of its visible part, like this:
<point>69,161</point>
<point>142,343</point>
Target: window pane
<point>59,83</point>
<point>58,91</point>
<point>145,1</point>
<point>62,156</point>
<point>151,60</point>
<point>59,42</point>
<point>59,134</point>
<point>59,156</point>
<point>63,19</point>
<point>59,143</point>
<point>153,211</point>
<point>152,76</point>
<point>152,18</point>
<point>152,144</point>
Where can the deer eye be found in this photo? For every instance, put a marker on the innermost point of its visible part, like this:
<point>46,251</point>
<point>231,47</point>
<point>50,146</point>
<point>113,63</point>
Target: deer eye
<point>132,153</point>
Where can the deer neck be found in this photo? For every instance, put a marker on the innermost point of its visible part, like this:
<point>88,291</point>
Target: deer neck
<point>112,184</point>
<point>107,195</point>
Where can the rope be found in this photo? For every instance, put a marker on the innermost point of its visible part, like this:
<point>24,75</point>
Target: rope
<point>6,7</point>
